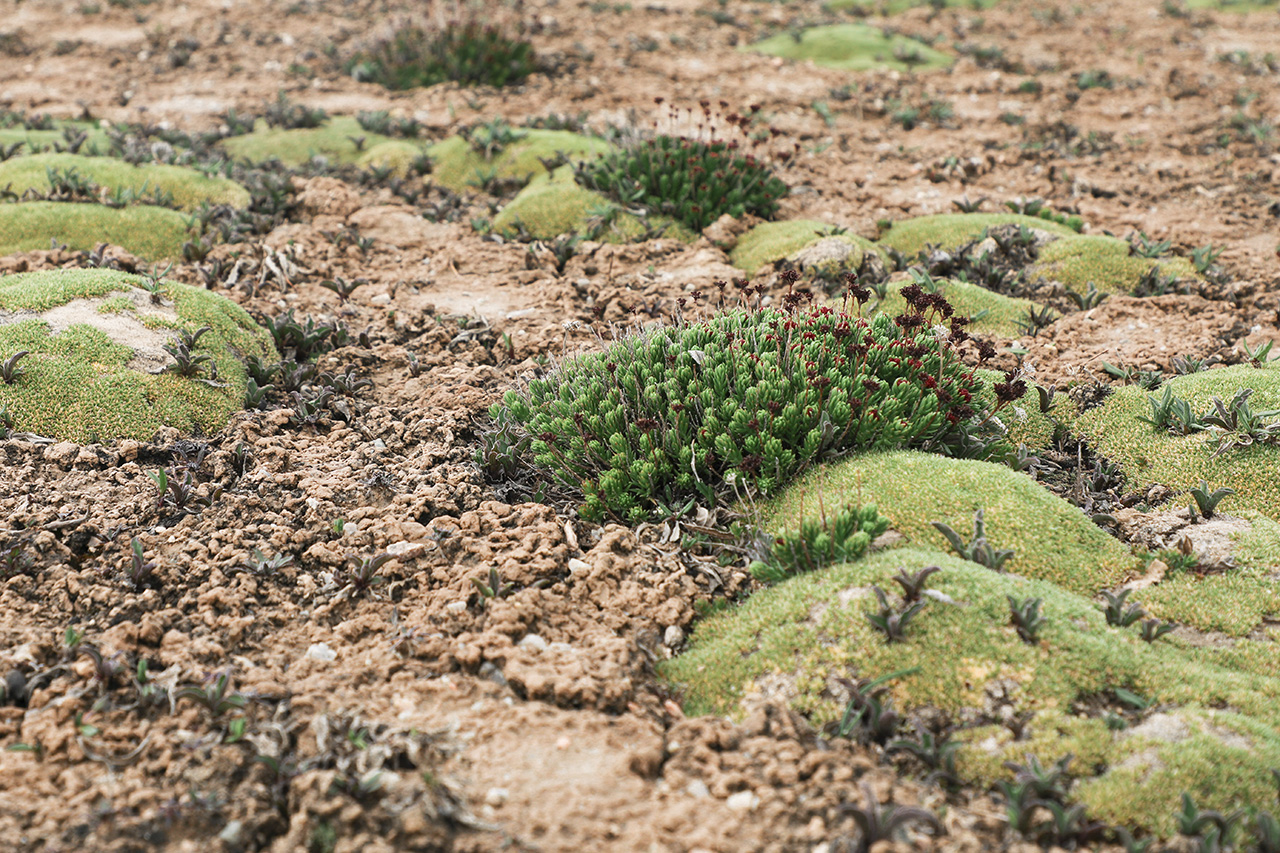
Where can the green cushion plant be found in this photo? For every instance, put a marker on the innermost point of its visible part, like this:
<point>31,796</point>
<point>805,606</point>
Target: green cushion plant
<point>553,205</point>
<point>341,140</point>
<point>796,639</point>
<point>500,152</point>
<point>1106,262</point>
<point>43,134</point>
<point>1051,539</point>
<point>853,47</point>
<point>187,188</point>
<point>770,242</point>
<point>152,233</point>
<point>694,181</point>
<point>746,399</point>
<point>1246,459</point>
<point>949,231</point>
<point>468,52</point>
<point>91,370</point>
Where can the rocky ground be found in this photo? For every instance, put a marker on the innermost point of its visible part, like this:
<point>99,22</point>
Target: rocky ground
<point>225,704</point>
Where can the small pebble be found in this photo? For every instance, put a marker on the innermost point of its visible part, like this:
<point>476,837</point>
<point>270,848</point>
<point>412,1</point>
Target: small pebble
<point>576,566</point>
<point>743,801</point>
<point>533,641</point>
<point>496,797</point>
<point>232,834</point>
<point>322,652</point>
<point>673,637</point>
<point>697,789</point>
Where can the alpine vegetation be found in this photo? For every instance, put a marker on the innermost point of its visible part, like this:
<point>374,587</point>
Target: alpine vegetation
<point>742,401</point>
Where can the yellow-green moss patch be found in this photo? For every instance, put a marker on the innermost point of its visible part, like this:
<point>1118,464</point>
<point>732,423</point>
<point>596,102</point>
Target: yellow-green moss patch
<point>951,230</point>
<point>1150,455</point>
<point>769,242</point>
<point>893,7</point>
<point>95,376</point>
<point>152,233</point>
<point>552,205</point>
<point>340,140</point>
<point>460,167</point>
<point>36,141</point>
<point>795,639</point>
<point>853,47</point>
<point>1105,261</point>
<point>1053,540</point>
<point>398,155</point>
<point>187,186</point>
<point>1241,6</point>
<point>1234,602</point>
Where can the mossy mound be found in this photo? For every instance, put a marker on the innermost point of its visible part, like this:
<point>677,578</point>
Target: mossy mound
<point>96,139</point>
<point>1105,261</point>
<point>458,166</point>
<point>853,47</point>
<point>95,375</point>
<point>336,141</point>
<point>1241,6</point>
<point>1233,602</point>
<point>794,639</point>
<point>398,155</point>
<point>952,230</point>
<point>553,205</point>
<point>152,233</point>
<point>1052,540</point>
<point>893,7</point>
<point>187,186</point>
<point>993,313</point>
<point>1149,455</point>
<point>770,242</point>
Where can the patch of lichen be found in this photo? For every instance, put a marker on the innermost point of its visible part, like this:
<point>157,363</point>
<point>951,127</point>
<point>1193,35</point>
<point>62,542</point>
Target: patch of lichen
<point>152,233</point>
<point>1052,539</point>
<point>554,204</point>
<point>994,313</point>
<point>795,638</point>
<point>77,384</point>
<point>458,166</point>
<point>341,140</point>
<point>1149,455</point>
<point>1105,261</point>
<point>853,47</point>
<point>188,187</point>
<point>769,242</point>
<point>952,230</point>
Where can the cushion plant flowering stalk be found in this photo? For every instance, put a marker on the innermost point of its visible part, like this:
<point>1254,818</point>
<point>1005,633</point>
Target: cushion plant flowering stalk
<point>750,396</point>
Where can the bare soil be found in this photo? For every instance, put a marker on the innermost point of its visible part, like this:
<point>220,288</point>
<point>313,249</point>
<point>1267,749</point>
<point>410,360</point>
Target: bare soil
<point>533,721</point>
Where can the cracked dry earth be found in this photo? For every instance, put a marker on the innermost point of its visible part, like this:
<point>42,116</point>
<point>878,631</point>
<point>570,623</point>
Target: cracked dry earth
<point>532,721</point>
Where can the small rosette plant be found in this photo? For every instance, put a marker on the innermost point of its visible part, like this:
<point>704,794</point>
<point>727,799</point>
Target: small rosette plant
<point>738,403</point>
